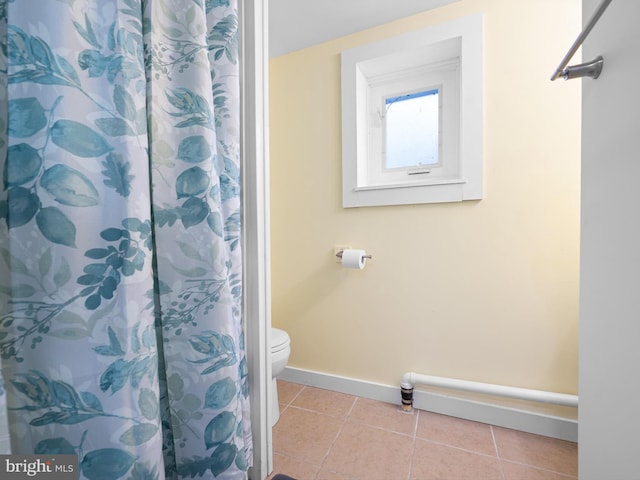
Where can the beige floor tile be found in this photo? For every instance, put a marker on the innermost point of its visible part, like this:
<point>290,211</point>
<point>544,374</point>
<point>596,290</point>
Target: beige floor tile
<point>293,468</point>
<point>362,452</point>
<point>324,401</point>
<point>433,461</point>
<point>456,432</point>
<point>538,451</point>
<point>325,435</point>
<point>305,436</point>
<point>515,471</point>
<point>287,391</point>
<point>384,415</point>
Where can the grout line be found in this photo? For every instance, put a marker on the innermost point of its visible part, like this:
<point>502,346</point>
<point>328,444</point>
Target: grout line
<point>542,469</point>
<point>335,417</point>
<point>289,404</point>
<point>344,422</point>
<point>495,445</point>
<point>537,467</point>
<point>353,406</point>
<point>377,427</point>
<point>387,429</point>
<point>454,447</point>
<point>413,444</point>
<point>304,387</point>
<point>415,427</point>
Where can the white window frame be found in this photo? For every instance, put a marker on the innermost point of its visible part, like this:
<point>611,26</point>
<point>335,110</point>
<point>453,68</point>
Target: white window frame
<point>442,75</point>
<point>449,56</point>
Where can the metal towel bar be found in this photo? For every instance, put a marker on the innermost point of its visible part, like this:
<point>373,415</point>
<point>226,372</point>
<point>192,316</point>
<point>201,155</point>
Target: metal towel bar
<point>590,69</point>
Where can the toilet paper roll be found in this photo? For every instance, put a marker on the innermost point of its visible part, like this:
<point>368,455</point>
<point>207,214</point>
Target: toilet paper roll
<point>352,258</point>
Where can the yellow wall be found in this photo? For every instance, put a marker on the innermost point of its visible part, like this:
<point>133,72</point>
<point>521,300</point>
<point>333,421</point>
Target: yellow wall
<point>484,290</point>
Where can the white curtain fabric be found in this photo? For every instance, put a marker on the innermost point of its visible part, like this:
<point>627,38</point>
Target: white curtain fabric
<point>120,267</point>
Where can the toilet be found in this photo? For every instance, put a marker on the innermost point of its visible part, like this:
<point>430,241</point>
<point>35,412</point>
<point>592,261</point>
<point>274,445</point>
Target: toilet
<point>280,350</point>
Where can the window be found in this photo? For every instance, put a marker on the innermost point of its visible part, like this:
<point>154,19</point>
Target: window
<point>412,131</point>
<point>403,124</point>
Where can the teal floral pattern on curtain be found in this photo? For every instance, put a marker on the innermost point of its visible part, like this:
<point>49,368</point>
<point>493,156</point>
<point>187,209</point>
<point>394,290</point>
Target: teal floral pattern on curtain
<point>121,334</point>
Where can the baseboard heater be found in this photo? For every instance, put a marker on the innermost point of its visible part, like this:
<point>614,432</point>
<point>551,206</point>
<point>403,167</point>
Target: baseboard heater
<point>410,379</point>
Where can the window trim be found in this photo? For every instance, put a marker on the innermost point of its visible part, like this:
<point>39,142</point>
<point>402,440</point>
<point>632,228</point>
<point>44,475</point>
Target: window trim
<point>424,49</point>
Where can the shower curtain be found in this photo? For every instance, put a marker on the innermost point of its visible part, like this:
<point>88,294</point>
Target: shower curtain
<point>121,334</point>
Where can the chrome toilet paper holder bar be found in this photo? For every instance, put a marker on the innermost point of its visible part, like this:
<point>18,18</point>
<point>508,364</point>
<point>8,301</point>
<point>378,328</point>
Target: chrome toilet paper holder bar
<point>339,255</point>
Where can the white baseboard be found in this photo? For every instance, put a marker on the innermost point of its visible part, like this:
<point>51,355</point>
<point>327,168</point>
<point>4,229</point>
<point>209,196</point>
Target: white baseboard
<point>485,412</point>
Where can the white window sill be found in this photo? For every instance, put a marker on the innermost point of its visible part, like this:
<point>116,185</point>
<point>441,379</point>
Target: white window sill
<point>424,183</point>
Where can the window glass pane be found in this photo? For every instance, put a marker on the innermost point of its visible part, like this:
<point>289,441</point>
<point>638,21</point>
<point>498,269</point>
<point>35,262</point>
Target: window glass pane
<point>411,129</point>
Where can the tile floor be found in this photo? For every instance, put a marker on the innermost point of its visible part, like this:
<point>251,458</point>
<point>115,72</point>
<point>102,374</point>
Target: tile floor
<point>324,435</point>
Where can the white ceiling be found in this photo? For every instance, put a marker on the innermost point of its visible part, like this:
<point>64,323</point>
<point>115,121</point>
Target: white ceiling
<point>296,24</point>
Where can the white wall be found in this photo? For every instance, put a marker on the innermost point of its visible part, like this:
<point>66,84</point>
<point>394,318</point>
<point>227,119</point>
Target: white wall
<point>296,24</point>
<point>609,382</point>
<point>481,290</point>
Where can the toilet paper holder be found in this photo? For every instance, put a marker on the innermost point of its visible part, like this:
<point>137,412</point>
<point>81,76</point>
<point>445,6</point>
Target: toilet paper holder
<point>339,255</point>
